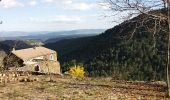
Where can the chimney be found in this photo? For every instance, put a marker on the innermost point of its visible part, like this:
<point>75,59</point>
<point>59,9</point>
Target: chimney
<point>34,47</point>
<point>13,49</point>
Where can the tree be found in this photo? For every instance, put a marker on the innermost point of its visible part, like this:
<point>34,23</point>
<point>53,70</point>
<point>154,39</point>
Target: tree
<point>77,71</point>
<point>159,10</point>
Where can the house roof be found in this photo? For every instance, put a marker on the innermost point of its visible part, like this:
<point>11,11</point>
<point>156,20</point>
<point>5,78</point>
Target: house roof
<point>29,53</point>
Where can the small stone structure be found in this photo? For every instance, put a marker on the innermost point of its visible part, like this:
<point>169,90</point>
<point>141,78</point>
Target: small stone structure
<point>37,59</point>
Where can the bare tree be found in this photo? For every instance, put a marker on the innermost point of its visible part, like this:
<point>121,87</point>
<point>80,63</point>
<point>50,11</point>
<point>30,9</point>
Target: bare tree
<point>132,8</point>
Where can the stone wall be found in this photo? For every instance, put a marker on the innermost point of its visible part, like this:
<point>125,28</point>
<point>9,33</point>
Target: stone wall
<point>50,66</point>
<point>54,55</point>
<point>44,67</point>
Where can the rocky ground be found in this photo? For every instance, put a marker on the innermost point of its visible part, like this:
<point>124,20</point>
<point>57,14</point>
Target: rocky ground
<point>84,89</point>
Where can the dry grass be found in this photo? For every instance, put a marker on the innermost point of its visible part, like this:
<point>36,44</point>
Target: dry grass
<point>85,89</point>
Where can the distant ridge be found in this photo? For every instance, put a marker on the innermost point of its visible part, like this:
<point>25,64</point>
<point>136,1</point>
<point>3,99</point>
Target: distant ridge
<point>45,35</point>
<point>8,45</point>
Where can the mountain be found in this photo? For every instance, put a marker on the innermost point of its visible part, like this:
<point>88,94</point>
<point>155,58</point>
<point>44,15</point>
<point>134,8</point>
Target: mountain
<point>52,40</point>
<point>44,36</point>
<point>18,44</point>
<point>4,48</point>
<point>129,51</point>
<point>13,34</point>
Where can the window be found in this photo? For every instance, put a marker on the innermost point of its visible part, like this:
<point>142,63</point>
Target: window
<point>51,57</point>
<point>36,68</point>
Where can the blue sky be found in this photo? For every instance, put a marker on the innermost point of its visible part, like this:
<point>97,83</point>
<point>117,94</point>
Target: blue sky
<point>53,15</point>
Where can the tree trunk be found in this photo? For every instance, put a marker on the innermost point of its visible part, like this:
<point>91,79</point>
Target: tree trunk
<point>168,53</point>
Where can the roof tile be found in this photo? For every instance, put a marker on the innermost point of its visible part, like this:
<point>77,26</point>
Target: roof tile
<point>29,53</point>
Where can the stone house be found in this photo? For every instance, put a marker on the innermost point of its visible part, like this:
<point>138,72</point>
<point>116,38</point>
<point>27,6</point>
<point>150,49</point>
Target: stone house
<point>36,59</point>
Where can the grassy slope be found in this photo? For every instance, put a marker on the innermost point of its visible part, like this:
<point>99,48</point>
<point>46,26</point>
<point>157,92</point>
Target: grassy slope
<point>88,88</point>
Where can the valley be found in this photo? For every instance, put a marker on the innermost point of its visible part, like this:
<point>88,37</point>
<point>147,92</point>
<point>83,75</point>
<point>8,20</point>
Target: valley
<point>113,52</point>
<point>85,50</point>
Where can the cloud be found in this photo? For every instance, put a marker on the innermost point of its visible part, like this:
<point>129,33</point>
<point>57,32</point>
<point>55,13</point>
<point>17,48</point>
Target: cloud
<point>58,19</point>
<point>79,6</point>
<point>33,3</point>
<point>64,18</point>
<point>11,3</point>
<point>71,4</point>
<point>68,1</point>
<point>49,1</point>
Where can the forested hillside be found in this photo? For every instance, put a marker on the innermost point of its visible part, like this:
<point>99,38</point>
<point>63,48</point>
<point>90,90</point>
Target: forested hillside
<point>133,50</point>
<point>18,44</point>
<point>4,47</point>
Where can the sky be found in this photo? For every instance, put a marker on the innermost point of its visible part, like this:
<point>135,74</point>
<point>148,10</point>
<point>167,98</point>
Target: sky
<point>53,15</point>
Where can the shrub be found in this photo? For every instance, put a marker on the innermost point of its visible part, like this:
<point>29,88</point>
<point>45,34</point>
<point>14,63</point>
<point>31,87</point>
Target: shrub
<point>77,71</point>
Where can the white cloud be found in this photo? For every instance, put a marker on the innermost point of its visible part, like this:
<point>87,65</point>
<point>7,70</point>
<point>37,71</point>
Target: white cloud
<point>64,18</point>
<point>68,1</point>
<point>79,6</point>
<point>11,3</point>
<point>35,20</point>
<point>57,19</point>
<point>48,1</point>
<point>72,4</point>
<point>33,3</point>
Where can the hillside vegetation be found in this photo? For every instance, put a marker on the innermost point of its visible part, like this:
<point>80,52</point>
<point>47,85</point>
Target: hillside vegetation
<point>122,52</point>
